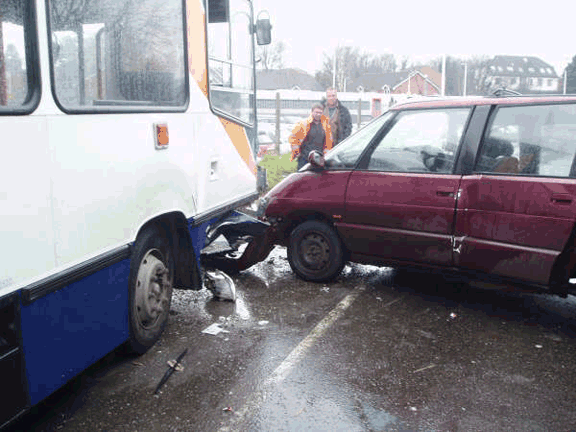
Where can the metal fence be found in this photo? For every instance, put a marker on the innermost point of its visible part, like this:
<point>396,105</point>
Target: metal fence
<point>289,106</point>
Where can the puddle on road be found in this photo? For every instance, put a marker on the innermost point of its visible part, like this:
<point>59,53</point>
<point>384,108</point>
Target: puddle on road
<point>202,305</point>
<point>239,309</point>
<point>377,419</point>
<point>309,390</point>
<point>275,270</point>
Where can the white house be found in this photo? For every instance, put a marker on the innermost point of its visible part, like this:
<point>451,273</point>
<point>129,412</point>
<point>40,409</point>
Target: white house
<point>523,74</point>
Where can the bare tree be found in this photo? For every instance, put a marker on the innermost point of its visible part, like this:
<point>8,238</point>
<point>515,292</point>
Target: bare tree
<point>69,11</point>
<point>404,63</point>
<point>571,76</point>
<point>478,75</point>
<point>386,63</point>
<point>271,56</point>
<point>351,63</point>
<point>348,60</point>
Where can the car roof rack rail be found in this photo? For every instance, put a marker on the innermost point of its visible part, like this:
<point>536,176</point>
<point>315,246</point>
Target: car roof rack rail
<point>504,92</point>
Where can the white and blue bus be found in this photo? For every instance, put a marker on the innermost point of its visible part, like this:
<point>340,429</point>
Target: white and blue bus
<point>127,130</point>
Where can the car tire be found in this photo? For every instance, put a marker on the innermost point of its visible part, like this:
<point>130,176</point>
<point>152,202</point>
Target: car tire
<point>315,252</point>
<point>150,289</point>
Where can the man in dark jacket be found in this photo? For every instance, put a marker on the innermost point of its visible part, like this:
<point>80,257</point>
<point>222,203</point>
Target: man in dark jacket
<point>340,120</point>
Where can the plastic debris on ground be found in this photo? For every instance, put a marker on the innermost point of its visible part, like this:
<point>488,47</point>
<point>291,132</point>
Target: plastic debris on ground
<point>220,284</point>
<point>214,329</point>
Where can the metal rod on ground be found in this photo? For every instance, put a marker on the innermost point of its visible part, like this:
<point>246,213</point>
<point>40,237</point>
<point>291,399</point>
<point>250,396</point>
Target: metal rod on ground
<point>170,371</point>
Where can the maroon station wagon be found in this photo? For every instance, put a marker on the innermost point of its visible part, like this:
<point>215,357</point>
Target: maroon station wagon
<point>483,186</point>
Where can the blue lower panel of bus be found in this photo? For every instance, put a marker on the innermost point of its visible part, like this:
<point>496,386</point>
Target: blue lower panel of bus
<point>68,330</point>
<point>198,236</point>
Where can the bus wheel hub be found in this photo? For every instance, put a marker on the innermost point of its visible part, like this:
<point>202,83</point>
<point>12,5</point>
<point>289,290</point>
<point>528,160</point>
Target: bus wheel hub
<point>152,286</point>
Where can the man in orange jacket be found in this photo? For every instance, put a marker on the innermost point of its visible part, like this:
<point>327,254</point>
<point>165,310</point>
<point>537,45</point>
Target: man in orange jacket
<point>314,133</point>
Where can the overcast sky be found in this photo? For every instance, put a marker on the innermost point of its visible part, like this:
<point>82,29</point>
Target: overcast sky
<point>424,29</point>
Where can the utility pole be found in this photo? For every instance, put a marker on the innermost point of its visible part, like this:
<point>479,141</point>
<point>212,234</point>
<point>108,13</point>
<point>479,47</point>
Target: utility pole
<point>278,102</point>
<point>565,78</point>
<point>443,74</point>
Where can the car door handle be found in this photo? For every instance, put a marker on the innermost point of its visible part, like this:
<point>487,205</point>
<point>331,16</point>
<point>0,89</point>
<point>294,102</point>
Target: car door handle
<point>445,192</point>
<point>561,199</point>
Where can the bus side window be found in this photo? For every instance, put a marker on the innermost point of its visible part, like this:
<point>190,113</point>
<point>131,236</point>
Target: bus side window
<point>125,54</point>
<point>16,75</point>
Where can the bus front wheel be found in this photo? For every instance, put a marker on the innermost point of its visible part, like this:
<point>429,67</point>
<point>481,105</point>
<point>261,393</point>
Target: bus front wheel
<point>150,290</point>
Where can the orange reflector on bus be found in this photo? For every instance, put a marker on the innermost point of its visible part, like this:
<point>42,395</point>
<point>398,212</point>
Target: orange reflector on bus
<point>161,131</point>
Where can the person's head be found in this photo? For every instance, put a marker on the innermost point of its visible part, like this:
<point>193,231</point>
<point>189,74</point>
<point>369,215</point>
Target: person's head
<point>331,96</point>
<point>317,111</point>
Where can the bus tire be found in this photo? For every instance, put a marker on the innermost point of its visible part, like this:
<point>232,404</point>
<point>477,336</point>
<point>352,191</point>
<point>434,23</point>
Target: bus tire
<point>150,289</point>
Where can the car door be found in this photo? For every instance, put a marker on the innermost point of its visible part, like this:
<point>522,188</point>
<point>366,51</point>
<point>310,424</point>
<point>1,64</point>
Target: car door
<point>400,201</point>
<point>516,210</point>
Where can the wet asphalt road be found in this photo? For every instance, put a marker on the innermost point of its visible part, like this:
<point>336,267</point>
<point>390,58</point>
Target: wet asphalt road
<point>375,350</point>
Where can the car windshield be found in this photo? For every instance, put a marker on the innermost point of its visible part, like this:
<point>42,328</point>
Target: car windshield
<point>346,154</point>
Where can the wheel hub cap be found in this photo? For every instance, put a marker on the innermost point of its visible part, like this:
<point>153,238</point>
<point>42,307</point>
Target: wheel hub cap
<point>316,251</point>
<point>153,287</point>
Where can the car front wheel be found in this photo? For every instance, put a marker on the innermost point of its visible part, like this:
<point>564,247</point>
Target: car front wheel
<point>315,252</point>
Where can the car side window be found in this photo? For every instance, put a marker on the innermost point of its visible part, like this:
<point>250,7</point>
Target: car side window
<point>421,141</point>
<point>530,140</point>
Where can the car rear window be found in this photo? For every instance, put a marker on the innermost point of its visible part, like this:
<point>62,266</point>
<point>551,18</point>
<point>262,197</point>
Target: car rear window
<point>530,140</point>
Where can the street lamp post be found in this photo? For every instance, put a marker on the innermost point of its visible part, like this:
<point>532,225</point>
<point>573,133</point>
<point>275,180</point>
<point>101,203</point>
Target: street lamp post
<point>334,70</point>
<point>465,77</point>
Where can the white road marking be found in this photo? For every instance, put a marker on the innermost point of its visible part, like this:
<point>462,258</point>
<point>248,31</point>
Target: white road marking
<point>283,370</point>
